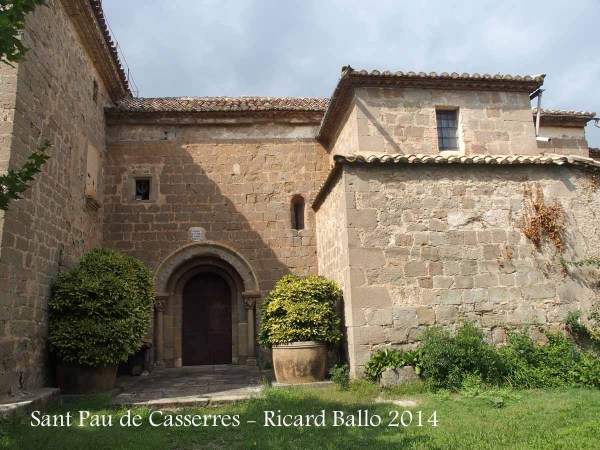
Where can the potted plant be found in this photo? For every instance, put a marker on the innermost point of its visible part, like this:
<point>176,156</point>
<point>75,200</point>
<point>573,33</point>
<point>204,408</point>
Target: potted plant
<point>99,311</point>
<point>299,321</point>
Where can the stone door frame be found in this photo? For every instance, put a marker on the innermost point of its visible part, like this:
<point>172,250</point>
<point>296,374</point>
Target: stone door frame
<point>172,275</point>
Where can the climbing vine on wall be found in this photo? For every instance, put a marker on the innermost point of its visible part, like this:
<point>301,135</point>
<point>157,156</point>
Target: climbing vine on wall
<point>542,220</point>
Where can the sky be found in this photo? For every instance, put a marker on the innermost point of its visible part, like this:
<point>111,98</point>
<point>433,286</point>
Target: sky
<point>298,47</point>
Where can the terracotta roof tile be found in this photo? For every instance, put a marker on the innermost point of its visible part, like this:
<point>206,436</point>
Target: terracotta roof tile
<point>447,76</point>
<point>565,113</point>
<point>112,46</point>
<point>460,159</point>
<point>220,104</point>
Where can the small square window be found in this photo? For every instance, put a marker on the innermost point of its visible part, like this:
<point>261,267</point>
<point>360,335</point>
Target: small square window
<point>447,128</point>
<point>142,189</point>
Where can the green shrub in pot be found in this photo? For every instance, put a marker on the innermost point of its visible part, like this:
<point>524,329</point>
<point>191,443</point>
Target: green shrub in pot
<point>301,309</point>
<point>100,309</point>
<point>299,322</point>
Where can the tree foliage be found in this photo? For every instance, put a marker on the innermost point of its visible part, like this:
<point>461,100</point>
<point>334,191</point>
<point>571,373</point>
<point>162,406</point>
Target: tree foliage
<point>12,22</point>
<point>14,183</point>
<point>12,50</point>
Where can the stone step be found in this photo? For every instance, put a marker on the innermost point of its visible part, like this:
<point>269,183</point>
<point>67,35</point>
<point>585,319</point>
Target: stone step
<point>36,400</point>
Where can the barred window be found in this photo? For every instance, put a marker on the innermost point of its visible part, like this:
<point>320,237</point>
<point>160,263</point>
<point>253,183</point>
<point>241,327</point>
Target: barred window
<point>142,189</point>
<point>447,127</point>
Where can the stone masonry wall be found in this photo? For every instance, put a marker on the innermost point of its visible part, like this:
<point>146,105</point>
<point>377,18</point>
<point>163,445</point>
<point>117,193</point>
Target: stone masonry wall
<point>403,120</point>
<point>49,227</point>
<point>219,178</point>
<point>8,100</point>
<point>434,245</point>
<point>565,141</point>
<point>333,257</point>
<point>332,236</point>
<point>346,139</point>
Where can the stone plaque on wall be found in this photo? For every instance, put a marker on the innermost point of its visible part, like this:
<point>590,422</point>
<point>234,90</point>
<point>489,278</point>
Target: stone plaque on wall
<point>197,234</point>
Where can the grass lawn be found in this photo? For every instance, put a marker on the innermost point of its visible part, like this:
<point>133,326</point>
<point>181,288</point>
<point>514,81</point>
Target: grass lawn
<point>539,419</point>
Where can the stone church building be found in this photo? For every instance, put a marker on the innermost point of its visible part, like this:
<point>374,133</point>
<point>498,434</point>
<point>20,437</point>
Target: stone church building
<point>411,190</point>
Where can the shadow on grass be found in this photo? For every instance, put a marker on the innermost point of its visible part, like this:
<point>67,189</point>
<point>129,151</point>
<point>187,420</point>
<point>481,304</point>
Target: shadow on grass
<point>536,419</point>
<point>20,434</point>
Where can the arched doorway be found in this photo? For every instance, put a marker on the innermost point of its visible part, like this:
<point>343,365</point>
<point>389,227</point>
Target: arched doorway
<point>179,279</point>
<point>206,320</point>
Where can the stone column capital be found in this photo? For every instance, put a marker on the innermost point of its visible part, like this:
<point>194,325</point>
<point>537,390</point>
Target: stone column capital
<point>250,298</point>
<point>160,302</point>
<point>250,302</point>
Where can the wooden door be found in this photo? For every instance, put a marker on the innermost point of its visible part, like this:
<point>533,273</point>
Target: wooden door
<point>206,321</point>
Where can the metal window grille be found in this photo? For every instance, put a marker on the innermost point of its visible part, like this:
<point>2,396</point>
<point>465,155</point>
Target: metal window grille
<point>142,189</point>
<point>447,127</point>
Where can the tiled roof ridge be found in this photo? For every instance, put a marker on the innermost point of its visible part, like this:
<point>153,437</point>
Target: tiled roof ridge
<point>221,104</point>
<point>588,164</point>
<point>548,158</point>
<point>446,75</point>
<point>565,112</point>
<point>234,97</point>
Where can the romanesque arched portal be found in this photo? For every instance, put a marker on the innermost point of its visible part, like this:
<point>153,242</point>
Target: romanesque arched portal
<point>205,258</point>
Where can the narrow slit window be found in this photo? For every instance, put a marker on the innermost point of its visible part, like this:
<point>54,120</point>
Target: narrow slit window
<point>142,189</point>
<point>298,208</point>
<point>447,129</point>
<point>95,92</point>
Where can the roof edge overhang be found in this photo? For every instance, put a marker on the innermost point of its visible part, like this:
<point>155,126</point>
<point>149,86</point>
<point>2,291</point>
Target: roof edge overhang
<point>564,118</point>
<point>586,164</point>
<point>90,24</point>
<point>350,79</point>
<point>114,116</point>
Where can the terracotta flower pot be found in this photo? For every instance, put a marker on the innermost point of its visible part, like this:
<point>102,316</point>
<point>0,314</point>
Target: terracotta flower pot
<point>76,379</point>
<point>300,362</point>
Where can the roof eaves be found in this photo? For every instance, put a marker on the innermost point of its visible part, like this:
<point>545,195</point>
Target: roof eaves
<point>88,18</point>
<point>587,164</point>
<point>338,102</point>
<point>562,117</point>
<point>221,104</point>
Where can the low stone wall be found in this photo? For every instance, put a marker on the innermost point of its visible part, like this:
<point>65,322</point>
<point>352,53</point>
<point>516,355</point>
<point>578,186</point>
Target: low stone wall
<point>435,245</point>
